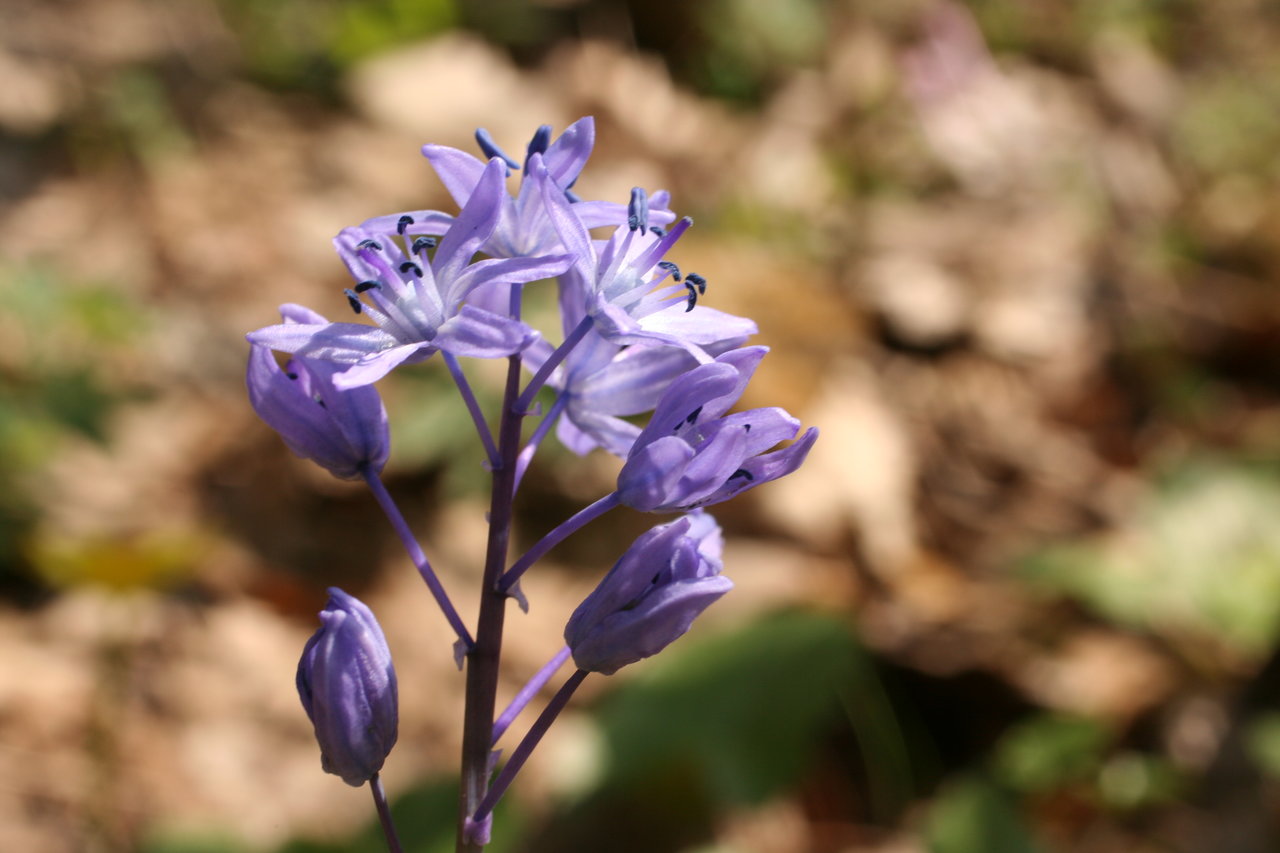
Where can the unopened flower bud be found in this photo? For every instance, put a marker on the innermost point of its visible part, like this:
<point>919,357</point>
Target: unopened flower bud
<point>348,688</point>
<point>650,597</point>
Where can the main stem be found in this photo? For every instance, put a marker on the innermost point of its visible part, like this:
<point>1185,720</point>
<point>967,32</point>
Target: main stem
<point>482,661</point>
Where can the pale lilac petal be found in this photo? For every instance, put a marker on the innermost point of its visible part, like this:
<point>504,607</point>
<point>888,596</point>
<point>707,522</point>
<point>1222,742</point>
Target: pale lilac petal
<point>373,367</point>
<point>601,214</point>
<point>703,326</point>
<point>345,343</point>
<point>474,224</point>
<point>613,434</point>
<point>652,472</point>
<point>769,466</point>
<point>506,271</point>
<point>568,154</point>
<point>716,461</point>
<point>766,427</point>
<point>634,381</point>
<point>425,222</point>
<point>458,170</point>
<point>480,334</point>
<point>683,403</point>
<point>575,238</point>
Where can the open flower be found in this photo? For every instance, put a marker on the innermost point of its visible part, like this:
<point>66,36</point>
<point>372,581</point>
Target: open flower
<point>344,431</point>
<point>417,300</point>
<point>348,688</point>
<point>522,229</point>
<point>650,597</point>
<point>691,454</point>
<point>631,294</point>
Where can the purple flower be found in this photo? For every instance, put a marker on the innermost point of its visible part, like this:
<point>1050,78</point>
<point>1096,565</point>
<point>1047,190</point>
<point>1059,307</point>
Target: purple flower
<point>344,431</point>
<point>650,597</point>
<point>631,294</point>
<point>416,300</point>
<point>522,229</point>
<point>691,454</point>
<point>348,688</point>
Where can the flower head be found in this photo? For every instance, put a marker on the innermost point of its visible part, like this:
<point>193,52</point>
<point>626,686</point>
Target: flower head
<point>631,294</point>
<point>650,597</point>
<point>344,431</point>
<point>348,688</point>
<point>417,298</point>
<point>692,454</point>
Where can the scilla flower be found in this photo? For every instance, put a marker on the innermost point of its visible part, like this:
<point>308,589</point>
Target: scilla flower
<point>650,597</point>
<point>344,431</point>
<point>691,454</point>
<point>348,688</point>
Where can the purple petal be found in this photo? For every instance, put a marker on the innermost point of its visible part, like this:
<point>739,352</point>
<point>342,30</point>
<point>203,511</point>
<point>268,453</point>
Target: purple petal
<point>474,224</point>
<point>770,466</point>
<point>715,463</point>
<point>425,222</point>
<point>344,343</point>
<point>506,271</point>
<point>568,154</point>
<point>652,472</point>
<point>703,326</point>
<point>683,404</point>
<point>480,334</point>
<point>458,170</point>
<point>634,381</point>
<point>372,368</point>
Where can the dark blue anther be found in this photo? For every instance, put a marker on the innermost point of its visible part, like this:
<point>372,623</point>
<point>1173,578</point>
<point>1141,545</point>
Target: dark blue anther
<point>747,427</point>
<point>638,210</point>
<point>319,400</point>
<point>410,265</point>
<point>354,300</point>
<point>657,232</point>
<point>422,243</point>
<point>698,282</point>
<point>291,375</point>
<point>693,296</point>
<point>670,267</point>
<point>403,222</point>
<point>369,244</point>
<point>539,143</point>
<point>693,416</point>
<point>368,285</point>
<point>742,472</point>
<point>491,149</point>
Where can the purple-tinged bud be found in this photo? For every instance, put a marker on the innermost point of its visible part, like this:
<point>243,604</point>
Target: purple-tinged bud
<point>348,689</point>
<point>650,597</point>
<point>344,431</point>
<point>692,454</point>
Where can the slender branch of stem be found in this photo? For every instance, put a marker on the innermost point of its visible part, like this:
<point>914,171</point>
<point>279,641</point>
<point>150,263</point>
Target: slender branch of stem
<point>473,406</point>
<point>539,433</point>
<point>484,657</point>
<point>384,814</point>
<point>419,558</point>
<point>507,717</point>
<point>521,754</point>
<point>553,361</point>
<point>556,536</point>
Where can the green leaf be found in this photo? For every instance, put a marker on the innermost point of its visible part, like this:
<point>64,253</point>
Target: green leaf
<point>974,816</point>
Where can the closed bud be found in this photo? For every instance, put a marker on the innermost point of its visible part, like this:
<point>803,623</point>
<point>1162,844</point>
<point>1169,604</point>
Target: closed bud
<point>650,597</point>
<point>348,688</point>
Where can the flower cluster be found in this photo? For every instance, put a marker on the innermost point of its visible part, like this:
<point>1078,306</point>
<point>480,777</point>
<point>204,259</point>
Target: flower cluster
<point>634,339</point>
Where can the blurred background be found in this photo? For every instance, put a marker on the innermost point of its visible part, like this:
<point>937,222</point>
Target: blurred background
<point>1018,261</point>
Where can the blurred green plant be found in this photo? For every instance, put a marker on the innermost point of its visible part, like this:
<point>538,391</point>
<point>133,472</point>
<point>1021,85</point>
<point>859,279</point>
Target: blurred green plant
<point>973,815</point>
<point>1201,557</point>
<point>54,342</point>
<point>304,45</point>
<point>1049,751</point>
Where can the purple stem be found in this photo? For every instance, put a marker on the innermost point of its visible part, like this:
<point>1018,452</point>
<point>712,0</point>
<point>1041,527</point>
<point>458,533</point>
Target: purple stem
<point>484,658</point>
<point>401,526</point>
<point>553,361</point>
<point>521,754</point>
<point>556,536</point>
<point>464,388</point>
<point>544,426</point>
<point>384,814</point>
<point>527,692</point>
